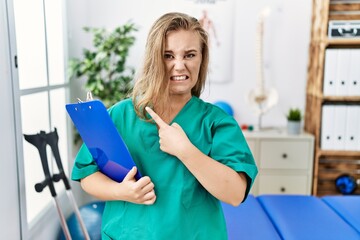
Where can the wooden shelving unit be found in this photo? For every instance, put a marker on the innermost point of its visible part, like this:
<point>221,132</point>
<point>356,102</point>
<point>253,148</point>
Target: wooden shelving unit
<point>328,165</point>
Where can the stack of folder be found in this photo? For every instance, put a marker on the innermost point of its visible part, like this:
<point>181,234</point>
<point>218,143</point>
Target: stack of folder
<point>342,72</point>
<point>340,129</point>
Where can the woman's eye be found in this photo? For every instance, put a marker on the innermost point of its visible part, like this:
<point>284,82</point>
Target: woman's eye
<point>191,55</point>
<point>168,56</point>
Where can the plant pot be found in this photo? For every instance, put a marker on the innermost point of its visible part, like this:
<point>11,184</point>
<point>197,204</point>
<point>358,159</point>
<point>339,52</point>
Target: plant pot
<point>294,127</point>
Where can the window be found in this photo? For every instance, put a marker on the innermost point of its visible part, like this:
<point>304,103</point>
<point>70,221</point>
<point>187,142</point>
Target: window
<point>43,87</point>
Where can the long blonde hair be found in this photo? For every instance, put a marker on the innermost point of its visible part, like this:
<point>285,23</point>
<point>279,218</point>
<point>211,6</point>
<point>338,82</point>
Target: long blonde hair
<point>151,86</point>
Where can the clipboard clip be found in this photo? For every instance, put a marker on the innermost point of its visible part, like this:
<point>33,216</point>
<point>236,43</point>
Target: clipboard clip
<point>89,97</point>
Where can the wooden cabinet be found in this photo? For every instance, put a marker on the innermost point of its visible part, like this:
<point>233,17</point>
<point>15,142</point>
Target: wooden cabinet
<point>285,162</point>
<point>328,164</point>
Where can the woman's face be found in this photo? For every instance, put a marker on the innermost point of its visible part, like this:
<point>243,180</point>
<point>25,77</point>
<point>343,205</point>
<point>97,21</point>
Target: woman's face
<point>182,59</point>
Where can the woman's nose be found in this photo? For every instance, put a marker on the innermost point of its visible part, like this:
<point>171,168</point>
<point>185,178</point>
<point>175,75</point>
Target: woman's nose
<point>179,64</point>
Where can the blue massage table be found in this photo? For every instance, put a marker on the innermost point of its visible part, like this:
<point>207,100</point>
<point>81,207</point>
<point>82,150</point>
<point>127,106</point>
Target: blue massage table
<point>347,207</point>
<point>294,217</point>
<point>244,222</point>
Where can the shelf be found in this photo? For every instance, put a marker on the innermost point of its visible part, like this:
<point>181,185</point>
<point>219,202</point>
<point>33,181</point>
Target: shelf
<point>331,190</point>
<point>343,7</point>
<point>344,11</point>
<point>342,42</point>
<point>334,99</point>
<point>337,161</point>
<point>341,98</point>
<point>342,16</point>
<point>327,153</point>
<point>328,164</point>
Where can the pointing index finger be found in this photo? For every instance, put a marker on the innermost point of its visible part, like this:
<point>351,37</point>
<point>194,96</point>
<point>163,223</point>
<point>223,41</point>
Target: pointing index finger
<point>156,117</point>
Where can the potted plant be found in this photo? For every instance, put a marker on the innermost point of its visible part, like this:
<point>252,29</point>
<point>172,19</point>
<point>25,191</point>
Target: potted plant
<point>294,117</point>
<point>104,67</point>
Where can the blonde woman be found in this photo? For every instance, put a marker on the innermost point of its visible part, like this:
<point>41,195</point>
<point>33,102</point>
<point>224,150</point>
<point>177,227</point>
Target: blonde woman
<point>191,154</point>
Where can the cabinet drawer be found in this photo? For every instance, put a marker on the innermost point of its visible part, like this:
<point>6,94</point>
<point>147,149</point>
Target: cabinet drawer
<point>269,184</point>
<point>284,154</point>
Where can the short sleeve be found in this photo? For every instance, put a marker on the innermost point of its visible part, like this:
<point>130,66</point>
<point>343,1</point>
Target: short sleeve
<point>84,164</point>
<point>230,148</point>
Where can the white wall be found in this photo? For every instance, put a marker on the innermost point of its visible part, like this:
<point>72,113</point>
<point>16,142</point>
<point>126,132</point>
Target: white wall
<point>287,41</point>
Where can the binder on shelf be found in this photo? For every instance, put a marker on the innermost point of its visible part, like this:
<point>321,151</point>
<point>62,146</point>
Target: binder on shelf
<point>342,72</point>
<point>327,127</point>
<point>352,132</point>
<point>339,127</point>
<point>354,73</point>
<point>101,137</point>
<point>330,69</point>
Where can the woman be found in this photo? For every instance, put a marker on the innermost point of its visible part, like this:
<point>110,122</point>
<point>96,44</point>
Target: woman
<point>191,154</point>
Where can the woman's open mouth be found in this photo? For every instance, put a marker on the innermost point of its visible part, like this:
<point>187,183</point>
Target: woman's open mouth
<point>179,78</point>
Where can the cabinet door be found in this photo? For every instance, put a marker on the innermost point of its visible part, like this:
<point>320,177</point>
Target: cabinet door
<point>285,184</point>
<point>284,155</point>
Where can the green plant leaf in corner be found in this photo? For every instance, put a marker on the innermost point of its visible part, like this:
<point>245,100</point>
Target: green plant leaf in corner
<point>104,65</point>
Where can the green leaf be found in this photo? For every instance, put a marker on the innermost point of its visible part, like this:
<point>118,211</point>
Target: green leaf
<point>103,65</point>
<point>294,114</point>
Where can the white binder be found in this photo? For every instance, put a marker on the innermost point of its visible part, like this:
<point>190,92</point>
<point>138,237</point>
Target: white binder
<point>329,82</point>
<point>342,74</point>
<point>354,73</point>
<point>339,127</point>
<point>352,127</point>
<point>327,127</point>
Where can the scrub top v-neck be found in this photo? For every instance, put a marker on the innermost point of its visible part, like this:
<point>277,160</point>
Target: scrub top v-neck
<point>183,208</point>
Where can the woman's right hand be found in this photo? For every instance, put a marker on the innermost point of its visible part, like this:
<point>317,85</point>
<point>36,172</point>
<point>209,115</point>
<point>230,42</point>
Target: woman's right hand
<point>139,192</point>
<point>131,190</point>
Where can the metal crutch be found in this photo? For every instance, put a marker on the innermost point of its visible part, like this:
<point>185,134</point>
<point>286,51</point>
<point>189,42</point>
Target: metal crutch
<point>38,140</point>
<point>52,139</point>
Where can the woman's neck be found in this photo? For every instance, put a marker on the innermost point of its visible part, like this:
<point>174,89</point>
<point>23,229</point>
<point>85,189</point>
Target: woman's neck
<point>174,106</point>
<point>177,102</point>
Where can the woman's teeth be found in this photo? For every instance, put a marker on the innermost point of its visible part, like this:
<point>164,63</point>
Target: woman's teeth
<point>178,78</point>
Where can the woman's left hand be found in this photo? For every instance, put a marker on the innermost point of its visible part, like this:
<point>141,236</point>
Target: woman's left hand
<point>172,138</point>
<point>218,179</point>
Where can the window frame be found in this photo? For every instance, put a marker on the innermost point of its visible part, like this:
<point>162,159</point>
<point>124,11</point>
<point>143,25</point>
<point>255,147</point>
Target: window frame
<point>46,223</point>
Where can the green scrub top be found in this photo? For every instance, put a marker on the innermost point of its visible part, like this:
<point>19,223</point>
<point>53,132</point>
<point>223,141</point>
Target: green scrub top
<point>183,208</point>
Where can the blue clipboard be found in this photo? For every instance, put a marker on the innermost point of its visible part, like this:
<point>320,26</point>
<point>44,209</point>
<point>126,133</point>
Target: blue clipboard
<point>101,137</point>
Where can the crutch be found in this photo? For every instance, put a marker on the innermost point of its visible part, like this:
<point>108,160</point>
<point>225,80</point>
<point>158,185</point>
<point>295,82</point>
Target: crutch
<point>39,141</point>
<point>52,139</point>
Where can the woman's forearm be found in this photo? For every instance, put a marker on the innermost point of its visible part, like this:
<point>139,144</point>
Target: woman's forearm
<point>220,180</point>
<point>131,190</point>
<point>100,186</point>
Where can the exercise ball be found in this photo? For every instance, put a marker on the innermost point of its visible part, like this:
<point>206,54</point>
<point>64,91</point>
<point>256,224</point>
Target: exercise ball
<point>346,184</point>
<point>91,215</point>
<point>225,106</point>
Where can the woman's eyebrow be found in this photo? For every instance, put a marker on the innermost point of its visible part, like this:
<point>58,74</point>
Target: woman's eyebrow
<point>186,51</point>
<point>191,50</point>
